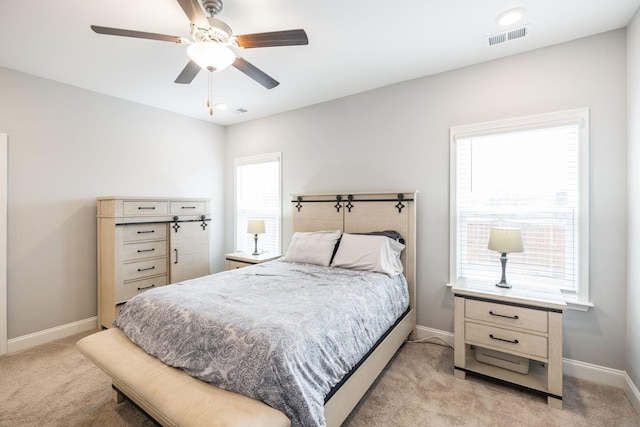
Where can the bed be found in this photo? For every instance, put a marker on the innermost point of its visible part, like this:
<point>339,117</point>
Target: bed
<point>173,397</point>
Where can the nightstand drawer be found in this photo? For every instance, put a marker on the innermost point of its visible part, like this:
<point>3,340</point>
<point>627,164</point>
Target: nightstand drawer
<point>232,265</point>
<point>511,341</point>
<point>507,315</point>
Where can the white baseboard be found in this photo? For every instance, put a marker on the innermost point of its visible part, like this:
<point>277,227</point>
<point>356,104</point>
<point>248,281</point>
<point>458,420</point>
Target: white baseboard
<point>632,393</point>
<point>597,374</point>
<point>572,368</point>
<point>48,335</point>
<point>433,335</point>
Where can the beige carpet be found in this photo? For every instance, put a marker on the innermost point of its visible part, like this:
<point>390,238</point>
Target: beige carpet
<point>54,385</point>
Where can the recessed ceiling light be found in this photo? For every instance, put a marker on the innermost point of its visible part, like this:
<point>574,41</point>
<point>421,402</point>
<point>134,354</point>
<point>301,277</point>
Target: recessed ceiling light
<point>510,16</point>
<point>221,106</point>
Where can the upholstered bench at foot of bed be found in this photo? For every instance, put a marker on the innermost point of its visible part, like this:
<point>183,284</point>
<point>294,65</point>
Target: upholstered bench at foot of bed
<point>169,395</point>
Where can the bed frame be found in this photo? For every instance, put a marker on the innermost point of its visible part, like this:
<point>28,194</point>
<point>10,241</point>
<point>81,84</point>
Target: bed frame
<point>173,398</point>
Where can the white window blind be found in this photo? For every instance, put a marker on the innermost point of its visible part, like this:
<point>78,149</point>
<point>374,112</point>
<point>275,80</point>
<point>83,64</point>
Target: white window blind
<point>530,174</point>
<point>258,196</point>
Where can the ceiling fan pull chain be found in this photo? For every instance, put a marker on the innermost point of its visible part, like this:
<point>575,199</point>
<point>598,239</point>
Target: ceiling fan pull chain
<point>210,95</point>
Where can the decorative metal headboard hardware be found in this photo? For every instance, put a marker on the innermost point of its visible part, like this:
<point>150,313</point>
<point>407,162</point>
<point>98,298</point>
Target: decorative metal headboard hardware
<point>338,205</point>
<point>400,205</point>
<point>204,223</point>
<point>175,226</point>
<point>349,199</point>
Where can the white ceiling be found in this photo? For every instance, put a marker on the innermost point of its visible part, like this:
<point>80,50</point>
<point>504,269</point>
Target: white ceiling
<point>354,45</point>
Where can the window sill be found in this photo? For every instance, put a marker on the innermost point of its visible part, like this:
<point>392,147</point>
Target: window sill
<point>572,304</point>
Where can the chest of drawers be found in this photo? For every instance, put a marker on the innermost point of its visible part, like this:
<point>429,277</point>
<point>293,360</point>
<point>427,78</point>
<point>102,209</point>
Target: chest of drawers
<point>519,322</point>
<point>144,243</point>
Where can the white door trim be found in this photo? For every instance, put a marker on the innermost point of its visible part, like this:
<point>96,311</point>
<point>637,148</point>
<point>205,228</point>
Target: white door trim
<point>4,166</point>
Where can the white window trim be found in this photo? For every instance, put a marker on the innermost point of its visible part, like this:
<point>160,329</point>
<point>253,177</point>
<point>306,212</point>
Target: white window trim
<point>580,116</point>
<point>247,160</point>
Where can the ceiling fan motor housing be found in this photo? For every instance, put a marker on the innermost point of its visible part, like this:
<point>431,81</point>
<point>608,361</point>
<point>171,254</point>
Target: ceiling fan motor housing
<point>218,31</point>
<point>213,7</point>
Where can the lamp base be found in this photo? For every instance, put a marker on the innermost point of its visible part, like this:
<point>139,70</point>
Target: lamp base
<point>255,249</point>
<point>503,281</point>
<point>503,285</point>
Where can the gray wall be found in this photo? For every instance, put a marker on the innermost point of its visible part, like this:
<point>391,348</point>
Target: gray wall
<point>66,147</point>
<point>397,138</point>
<point>633,287</point>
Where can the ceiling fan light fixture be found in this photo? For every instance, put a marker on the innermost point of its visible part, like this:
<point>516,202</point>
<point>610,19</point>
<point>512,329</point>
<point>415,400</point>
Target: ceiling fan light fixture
<point>211,55</point>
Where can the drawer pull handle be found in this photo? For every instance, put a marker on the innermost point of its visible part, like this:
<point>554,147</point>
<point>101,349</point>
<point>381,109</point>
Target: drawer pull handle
<point>146,269</point>
<point>146,287</point>
<point>146,250</point>
<point>188,207</point>
<point>502,339</point>
<point>146,231</point>
<point>146,207</point>
<point>502,315</point>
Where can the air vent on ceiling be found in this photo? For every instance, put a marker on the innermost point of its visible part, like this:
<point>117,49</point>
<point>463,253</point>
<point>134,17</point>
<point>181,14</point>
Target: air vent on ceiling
<point>506,36</point>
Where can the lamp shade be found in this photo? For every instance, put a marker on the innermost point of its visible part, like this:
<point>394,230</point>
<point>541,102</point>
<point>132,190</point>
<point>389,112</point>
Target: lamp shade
<point>255,226</point>
<point>211,56</point>
<point>505,240</point>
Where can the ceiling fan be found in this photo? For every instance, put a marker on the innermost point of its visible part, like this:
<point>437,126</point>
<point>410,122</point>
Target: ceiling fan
<point>212,39</point>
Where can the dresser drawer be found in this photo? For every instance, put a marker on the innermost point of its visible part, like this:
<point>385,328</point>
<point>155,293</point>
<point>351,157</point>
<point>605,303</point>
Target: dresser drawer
<point>511,341</point>
<point>141,269</point>
<point>507,315</point>
<point>131,289</point>
<point>135,232</point>
<point>188,208</point>
<point>150,249</point>
<point>145,208</point>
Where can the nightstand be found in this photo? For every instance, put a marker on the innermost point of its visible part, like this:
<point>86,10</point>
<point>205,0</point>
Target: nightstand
<point>245,259</point>
<point>514,325</point>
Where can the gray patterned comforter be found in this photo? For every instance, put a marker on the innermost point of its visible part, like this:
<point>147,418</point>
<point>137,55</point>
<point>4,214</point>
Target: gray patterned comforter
<point>284,333</point>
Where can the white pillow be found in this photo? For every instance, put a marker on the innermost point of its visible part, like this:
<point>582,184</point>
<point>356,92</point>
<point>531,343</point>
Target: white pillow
<point>312,247</point>
<point>370,253</point>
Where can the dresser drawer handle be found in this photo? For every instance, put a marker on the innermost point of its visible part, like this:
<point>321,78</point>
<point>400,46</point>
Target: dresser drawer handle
<point>146,287</point>
<point>146,250</point>
<point>148,268</point>
<point>146,207</point>
<point>502,339</point>
<point>188,207</point>
<point>502,315</point>
<point>146,231</point>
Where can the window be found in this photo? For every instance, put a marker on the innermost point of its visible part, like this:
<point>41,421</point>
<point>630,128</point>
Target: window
<point>257,196</point>
<point>530,173</point>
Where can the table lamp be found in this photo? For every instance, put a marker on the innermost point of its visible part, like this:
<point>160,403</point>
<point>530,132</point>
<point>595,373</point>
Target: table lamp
<point>505,240</point>
<point>255,227</point>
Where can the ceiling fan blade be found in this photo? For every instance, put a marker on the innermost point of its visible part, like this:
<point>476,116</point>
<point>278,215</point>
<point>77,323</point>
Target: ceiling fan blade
<point>188,73</point>
<point>137,34</point>
<point>194,12</point>
<point>255,73</point>
<point>274,38</point>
